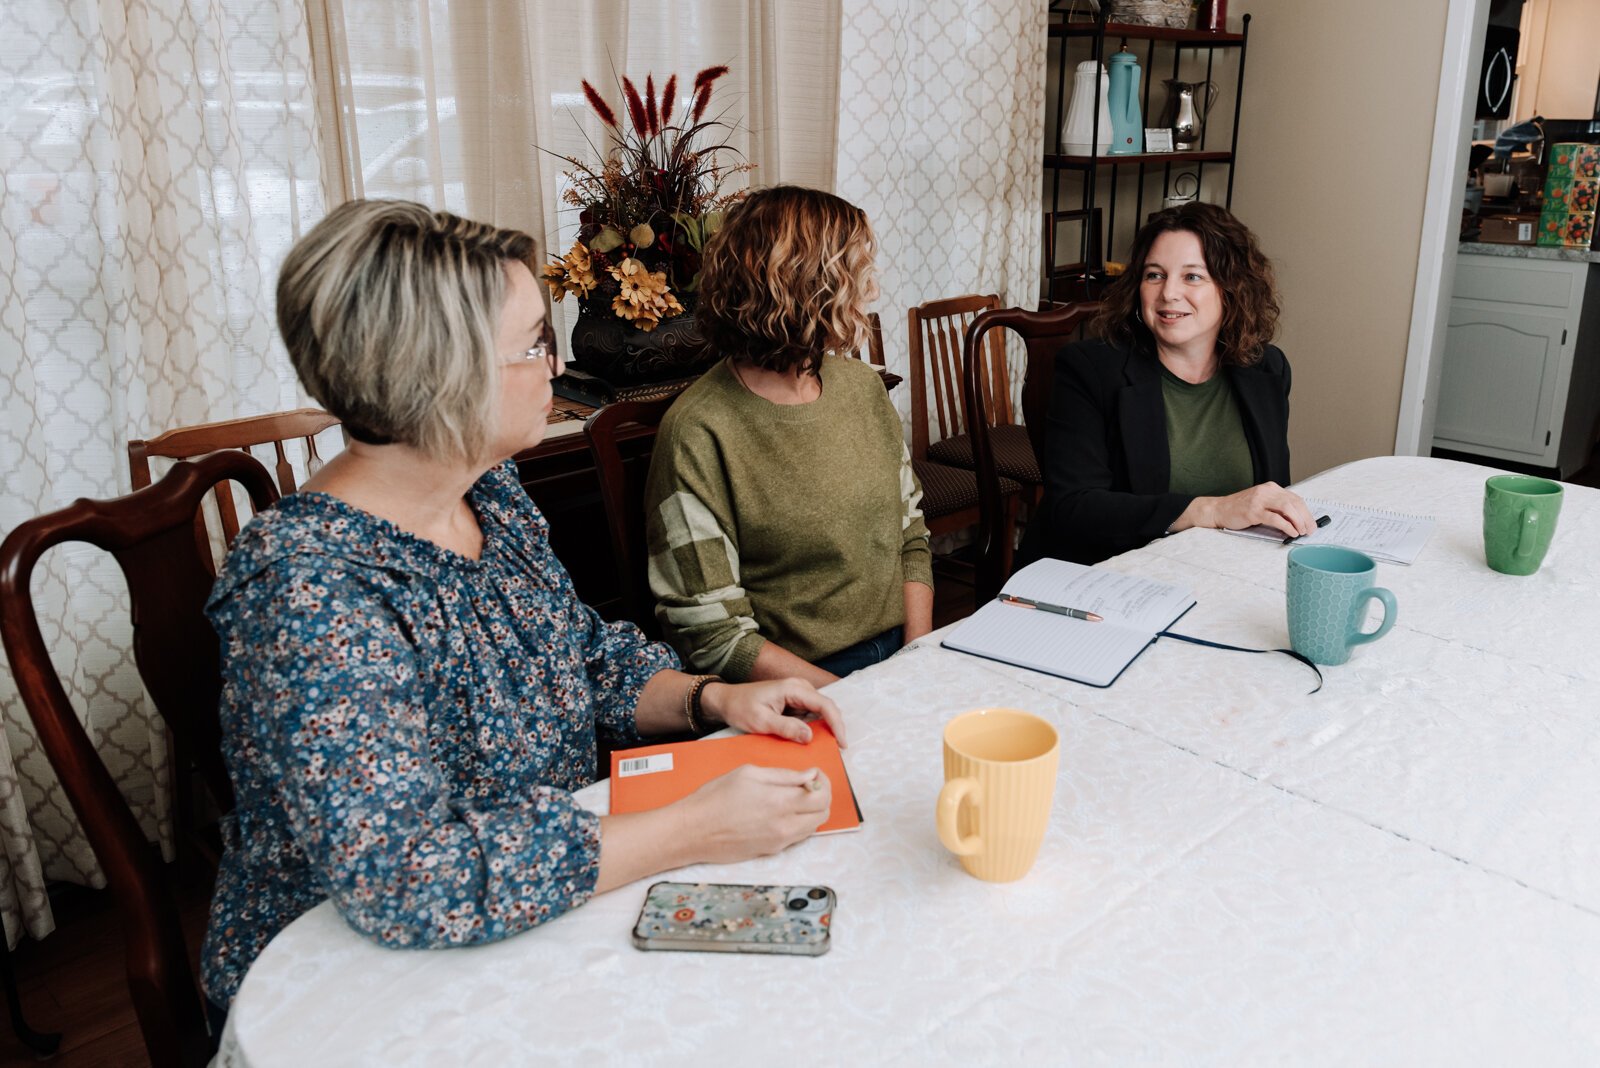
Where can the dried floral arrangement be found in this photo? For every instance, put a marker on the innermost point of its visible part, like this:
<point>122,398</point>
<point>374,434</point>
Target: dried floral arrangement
<point>647,211</point>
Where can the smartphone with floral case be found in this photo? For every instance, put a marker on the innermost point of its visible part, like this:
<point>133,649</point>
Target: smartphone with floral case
<point>729,918</point>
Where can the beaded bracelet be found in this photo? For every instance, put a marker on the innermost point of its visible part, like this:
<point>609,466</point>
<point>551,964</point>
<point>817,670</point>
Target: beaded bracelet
<point>692,709</point>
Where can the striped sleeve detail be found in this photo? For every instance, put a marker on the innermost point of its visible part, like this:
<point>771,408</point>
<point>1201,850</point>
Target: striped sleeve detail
<point>694,574</point>
<point>910,494</point>
<point>916,556</point>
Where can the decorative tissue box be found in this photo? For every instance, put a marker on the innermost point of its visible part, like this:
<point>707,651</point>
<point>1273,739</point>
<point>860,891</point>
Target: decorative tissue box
<point>1571,196</point>
<point>1574,161</point>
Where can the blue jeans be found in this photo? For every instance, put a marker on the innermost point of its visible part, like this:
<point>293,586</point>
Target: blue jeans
<point>864,653</point>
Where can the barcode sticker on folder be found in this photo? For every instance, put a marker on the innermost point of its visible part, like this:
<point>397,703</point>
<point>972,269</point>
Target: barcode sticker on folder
<point>644,765</point>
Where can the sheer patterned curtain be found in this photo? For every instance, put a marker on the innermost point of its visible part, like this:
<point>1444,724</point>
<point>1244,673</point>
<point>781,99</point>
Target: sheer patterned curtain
<point>472,106</point>
<point>941,141</point>
<point>159,158</point>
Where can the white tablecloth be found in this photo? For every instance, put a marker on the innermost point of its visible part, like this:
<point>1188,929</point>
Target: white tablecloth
<point>1404,867</point>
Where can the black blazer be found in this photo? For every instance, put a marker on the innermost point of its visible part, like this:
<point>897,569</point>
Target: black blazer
<point>1106,462</point>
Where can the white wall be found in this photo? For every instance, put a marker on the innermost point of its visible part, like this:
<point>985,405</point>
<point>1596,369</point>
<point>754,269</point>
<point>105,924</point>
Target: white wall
<point>1333,160</point>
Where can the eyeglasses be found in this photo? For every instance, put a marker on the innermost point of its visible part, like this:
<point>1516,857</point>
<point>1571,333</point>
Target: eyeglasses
<point>544,349</point>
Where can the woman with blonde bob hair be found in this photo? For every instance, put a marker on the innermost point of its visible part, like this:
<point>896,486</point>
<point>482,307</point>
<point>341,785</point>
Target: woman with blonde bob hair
<point>411,688</point>
<point>784,528</point>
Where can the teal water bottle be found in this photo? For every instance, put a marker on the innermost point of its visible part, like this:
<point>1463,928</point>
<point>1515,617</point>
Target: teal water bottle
<point>1127,126</point>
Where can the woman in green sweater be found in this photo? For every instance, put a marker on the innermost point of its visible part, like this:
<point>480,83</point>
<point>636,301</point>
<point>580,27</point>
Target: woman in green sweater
<point>785,532</point>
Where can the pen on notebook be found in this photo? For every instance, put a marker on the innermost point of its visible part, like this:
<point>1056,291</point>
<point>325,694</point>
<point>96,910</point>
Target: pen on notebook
<point>1060,610</point>
<point>1322,521</point>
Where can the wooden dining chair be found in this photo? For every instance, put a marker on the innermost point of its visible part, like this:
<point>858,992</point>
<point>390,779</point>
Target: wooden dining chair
<point>873,357</point>
<point>622,480</point>
<point>942,333</point>
<point>944,466</point>
<point>150,533</point>
<point>276,429</point>
<point>1043,334</point>
<point>936,330</point>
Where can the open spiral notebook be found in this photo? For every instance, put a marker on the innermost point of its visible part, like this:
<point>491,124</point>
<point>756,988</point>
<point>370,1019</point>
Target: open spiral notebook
<point>1392,536</point>
<point>1134,611</point>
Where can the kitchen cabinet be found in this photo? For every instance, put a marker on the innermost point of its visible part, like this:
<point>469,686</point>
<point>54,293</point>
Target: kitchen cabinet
<point>1520,379</point>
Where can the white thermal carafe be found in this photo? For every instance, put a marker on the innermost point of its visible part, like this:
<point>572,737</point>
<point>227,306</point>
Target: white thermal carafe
<point>1077,133</point>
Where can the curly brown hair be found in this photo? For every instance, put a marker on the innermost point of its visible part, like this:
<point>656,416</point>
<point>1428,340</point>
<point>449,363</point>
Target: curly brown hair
<point>787,279</point>
<point>1236,264</point>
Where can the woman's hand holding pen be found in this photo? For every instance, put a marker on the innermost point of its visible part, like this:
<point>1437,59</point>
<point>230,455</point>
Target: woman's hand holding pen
<point>1268,504</point>
<point>754,811</point>
<point>748,812</point>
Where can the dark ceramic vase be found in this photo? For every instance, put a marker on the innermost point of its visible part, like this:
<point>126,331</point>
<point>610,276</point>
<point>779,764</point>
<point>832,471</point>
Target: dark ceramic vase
<point>621,354</point>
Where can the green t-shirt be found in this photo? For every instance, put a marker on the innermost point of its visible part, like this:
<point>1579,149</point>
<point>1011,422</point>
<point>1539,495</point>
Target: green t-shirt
<point>1205,437</point>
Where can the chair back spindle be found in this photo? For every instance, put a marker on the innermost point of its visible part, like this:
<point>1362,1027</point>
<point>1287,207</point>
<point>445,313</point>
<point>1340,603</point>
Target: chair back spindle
<point>936,331</point>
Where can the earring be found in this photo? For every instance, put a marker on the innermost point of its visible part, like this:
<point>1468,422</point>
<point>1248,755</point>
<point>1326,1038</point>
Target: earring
<point>1137,316</point>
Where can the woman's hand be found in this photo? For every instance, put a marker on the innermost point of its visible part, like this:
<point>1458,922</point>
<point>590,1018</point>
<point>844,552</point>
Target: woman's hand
<point>766,707</point>
<point>1268,504</point>
<point>754,811</point>
<point>749,812</point>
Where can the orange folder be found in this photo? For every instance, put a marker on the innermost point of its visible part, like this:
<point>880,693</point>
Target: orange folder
<point>647,778</point>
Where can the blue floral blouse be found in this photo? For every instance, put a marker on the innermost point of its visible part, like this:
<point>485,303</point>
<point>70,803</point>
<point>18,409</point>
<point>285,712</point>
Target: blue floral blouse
<point>404,726</point>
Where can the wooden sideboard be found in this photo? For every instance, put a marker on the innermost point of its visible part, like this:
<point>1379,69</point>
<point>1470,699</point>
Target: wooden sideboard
<point>560,477</point>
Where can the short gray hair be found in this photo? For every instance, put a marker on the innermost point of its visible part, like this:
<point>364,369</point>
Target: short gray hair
<point>389,311</point>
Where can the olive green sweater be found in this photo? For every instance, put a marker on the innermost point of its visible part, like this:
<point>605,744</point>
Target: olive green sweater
<point>798,524</point>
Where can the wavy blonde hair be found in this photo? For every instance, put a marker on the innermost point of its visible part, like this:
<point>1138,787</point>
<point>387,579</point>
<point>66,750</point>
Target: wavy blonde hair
<point>787,279</point>
<point>389,311</point>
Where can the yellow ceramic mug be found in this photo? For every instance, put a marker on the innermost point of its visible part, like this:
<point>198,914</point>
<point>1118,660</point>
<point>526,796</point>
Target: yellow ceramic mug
<point>999,781</point>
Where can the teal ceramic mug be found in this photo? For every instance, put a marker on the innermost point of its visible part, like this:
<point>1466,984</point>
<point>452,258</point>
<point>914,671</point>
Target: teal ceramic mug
<point>1329,590</point>
<point>1519,519</point>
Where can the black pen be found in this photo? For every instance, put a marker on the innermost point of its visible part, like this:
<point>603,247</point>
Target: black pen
<point>1322,521</point>
<point>1060,610</point>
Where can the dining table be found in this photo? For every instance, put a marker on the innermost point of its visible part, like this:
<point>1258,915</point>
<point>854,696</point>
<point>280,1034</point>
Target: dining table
<point>1401,867</point>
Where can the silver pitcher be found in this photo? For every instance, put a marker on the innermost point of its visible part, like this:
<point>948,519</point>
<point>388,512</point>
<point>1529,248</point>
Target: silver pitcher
<point>1181,116</point>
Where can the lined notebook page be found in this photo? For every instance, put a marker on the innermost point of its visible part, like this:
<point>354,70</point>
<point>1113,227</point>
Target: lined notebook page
<point>1135,609</point>
<point>1123,599</point>
<point>1094,653</point>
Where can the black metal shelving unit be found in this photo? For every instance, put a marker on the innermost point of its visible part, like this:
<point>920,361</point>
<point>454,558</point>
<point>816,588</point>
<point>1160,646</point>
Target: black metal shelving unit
<point>1083,280</point>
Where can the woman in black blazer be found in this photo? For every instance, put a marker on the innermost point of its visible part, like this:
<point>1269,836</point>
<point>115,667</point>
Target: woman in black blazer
<point>1180,416</point>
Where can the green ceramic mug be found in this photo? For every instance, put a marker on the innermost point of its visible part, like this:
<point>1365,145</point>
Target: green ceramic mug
<point>1519,519</point>
<point>1329,590</point>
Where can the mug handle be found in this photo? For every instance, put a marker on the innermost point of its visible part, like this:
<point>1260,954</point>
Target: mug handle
<point>956,791</point>
<point>1528,538</point>
<point>1359,610</point>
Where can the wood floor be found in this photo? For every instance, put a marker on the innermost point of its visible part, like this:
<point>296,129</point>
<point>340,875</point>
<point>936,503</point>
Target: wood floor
<point>72,982</point>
